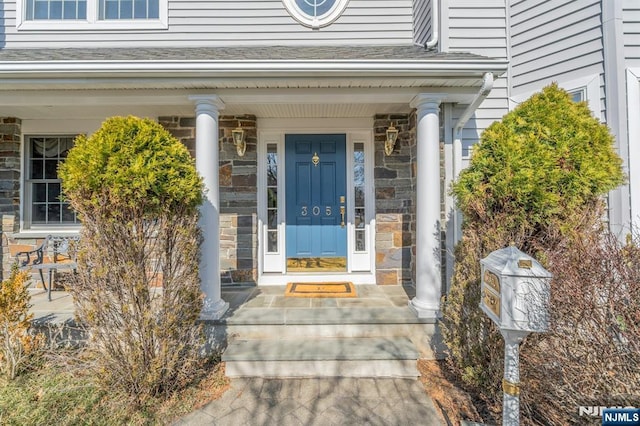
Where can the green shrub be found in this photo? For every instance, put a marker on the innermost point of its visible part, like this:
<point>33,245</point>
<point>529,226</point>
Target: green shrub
<point>543,163</point>
<point>136,191</point>
<point>536,180</point>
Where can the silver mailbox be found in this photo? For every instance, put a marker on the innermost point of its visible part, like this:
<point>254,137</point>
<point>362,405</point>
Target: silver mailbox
<point>515,290</point>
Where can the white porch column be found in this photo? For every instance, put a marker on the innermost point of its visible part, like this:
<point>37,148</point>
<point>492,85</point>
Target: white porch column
<point>207,107</point>
<point>426,304</point>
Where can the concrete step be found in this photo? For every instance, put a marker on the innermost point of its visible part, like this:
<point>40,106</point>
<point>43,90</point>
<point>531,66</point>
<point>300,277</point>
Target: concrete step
<point>425,337</point>
<point>323,323</point>
<point>329,357</point>
<point>301,316</point>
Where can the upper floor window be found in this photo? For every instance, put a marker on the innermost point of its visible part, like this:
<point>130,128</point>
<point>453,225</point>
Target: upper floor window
<point>315,13</point>
<point>578,95</point>
<point>91,14</point>
<point>56,9</point>
<point>128,9</point>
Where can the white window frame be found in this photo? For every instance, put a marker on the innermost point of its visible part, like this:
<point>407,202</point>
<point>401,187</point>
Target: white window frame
<point>322,21</point>
<point>633,122</point>
<point>47,128</point>
<point>590,85</point>
<point>274,261</point>
<point>26,195</point>
<point>360,260</point>
<point>92,22</point>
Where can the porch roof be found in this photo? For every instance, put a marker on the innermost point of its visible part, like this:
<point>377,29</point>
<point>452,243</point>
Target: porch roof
<point>242,53</point>
<point>372,63</point>
<point>267,81</point>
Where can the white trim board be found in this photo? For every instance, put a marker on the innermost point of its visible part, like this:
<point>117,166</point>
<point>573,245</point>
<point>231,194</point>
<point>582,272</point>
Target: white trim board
<point>590,83</point>
<point>274,131</point>
<point>633,122</point>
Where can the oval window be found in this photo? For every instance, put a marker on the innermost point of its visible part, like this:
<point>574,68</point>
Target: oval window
<point>315,13</point>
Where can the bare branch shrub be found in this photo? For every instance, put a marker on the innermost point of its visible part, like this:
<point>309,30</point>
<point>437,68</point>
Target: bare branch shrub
<point>591,354</point>
<point>136,191</point>
<point>19,345</point>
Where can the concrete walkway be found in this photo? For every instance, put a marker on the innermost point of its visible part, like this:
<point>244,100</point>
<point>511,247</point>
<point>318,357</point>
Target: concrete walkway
<point>331,401</point>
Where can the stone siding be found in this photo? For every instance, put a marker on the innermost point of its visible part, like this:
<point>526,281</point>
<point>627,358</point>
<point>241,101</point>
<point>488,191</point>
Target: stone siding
<point>10,136</point>
<point>238,194</point>
<point>394,180</point>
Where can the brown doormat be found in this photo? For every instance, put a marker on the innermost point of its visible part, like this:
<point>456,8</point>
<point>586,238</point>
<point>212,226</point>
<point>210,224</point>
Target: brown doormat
<point>312,290</point>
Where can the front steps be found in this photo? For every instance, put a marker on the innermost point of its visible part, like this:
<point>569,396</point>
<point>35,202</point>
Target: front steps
<point>327,342</point>
<point>328,357</point>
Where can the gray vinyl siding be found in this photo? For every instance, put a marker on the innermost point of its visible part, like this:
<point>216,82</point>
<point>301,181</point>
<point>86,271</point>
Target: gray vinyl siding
<point>228,23</point>
<point>479,27</point>
<point>422,20</point>
<point>555,40</point>
<point>491,110</point>
<point>631,28</point>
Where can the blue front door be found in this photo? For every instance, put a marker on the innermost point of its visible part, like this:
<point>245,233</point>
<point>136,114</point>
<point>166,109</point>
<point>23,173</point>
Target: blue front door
<point>316,191</point>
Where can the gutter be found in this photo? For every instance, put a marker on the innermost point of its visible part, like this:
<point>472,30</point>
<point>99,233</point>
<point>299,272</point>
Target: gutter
<point>464,68</point>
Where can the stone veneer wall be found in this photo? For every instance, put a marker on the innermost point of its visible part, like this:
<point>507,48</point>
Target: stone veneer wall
<point>10,134</point>
<point>395,182</point>
<point>238,194</point>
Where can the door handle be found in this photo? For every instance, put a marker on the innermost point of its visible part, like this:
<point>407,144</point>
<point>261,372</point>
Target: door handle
<point>342,216</point>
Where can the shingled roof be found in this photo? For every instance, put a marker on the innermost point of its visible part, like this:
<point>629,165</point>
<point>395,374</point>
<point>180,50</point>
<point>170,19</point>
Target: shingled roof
<point>258,53</point>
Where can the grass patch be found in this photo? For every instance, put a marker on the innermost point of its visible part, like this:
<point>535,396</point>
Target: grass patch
<point>59,394</point>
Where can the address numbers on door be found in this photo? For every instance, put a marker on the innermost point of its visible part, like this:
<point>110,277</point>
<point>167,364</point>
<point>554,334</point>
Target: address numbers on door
<point>315,211</point>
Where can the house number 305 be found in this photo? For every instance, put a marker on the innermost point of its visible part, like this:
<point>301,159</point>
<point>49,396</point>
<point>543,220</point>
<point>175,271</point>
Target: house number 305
<point>315,210</point>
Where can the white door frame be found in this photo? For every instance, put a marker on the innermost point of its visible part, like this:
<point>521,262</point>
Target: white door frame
<point>360,265</point>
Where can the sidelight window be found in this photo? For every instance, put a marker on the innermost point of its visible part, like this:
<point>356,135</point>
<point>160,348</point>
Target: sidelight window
<point>272,198</point>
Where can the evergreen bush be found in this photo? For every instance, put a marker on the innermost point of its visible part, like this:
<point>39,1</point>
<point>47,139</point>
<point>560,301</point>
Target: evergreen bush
<point>136,192</point>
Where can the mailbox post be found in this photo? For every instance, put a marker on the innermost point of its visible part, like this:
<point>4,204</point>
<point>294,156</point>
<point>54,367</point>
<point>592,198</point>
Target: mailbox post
<point>515,295</point>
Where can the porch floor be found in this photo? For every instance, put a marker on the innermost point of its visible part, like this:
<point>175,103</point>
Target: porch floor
<point>263,313</point>
<point>268,303</point>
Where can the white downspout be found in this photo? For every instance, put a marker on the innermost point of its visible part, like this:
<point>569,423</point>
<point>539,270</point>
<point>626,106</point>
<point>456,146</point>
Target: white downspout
<point>435,19</point>
<point>485,89</point>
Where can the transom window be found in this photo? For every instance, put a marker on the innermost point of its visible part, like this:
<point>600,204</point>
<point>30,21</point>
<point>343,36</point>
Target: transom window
<point>43,204</point>
<point>315,13</point>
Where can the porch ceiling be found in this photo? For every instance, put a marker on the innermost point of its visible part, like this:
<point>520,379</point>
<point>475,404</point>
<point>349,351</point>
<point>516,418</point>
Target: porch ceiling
<point>263,103</point>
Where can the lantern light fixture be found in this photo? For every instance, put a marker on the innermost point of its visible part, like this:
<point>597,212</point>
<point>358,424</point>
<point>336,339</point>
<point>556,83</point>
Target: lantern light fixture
<point>390,142</point>
<point>239,140</point>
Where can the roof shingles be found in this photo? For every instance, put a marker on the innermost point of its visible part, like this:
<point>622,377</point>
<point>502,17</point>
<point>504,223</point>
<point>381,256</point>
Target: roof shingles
<point>257,53</point>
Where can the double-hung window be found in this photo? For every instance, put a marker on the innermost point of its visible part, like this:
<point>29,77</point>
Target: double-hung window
<point>91,14</point>
<point>43,204</point>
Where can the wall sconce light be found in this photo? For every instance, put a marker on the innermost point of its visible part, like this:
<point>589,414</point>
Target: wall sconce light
<point>238,140</point>
<point>392,137</point>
